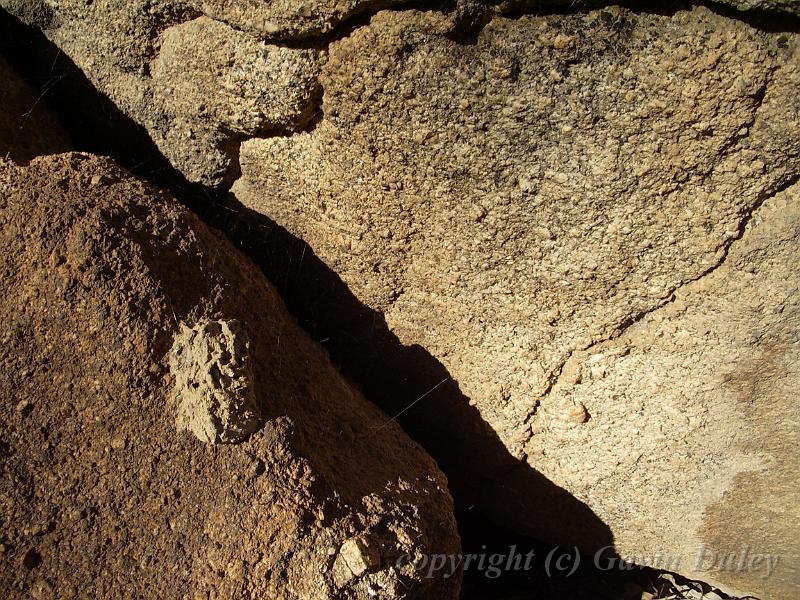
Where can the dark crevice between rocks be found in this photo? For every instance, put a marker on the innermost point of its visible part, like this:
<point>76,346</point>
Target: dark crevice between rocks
<point>482,473</point>
<point>472,16</point>
<point>766,20</point>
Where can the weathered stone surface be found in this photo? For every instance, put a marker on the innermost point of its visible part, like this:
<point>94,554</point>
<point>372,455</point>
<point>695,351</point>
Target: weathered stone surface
<point>201,75</point>
<point>699,397</point>
<point>196,85</point>
<point>205,69</point>
<point>100,496</point>
<point>283,19</point>
<point>517,208</point>
<point>214,382</point>
<point>27,128</point>
<point>511,204</point>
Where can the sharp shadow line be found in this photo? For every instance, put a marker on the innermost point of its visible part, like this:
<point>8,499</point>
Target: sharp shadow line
<point>482,473</point>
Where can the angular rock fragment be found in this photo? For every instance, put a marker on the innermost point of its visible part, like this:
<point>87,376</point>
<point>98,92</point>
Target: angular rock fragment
<point>356,557</point>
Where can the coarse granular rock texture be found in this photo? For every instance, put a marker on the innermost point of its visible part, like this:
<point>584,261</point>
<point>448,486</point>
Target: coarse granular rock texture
<point>509,204</point>
<point>693,419</point>
<point>196,85</point>
<point>506,208</point>
<point>201,76</point>
<point>101,496</point>
<point>204,68</point>
<point>214,394</point>
<point>27,128</point>
<point>288,19</point>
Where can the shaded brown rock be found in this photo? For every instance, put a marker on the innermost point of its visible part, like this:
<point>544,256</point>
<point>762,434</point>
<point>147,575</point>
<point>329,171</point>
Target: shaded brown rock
<point>101,494</point>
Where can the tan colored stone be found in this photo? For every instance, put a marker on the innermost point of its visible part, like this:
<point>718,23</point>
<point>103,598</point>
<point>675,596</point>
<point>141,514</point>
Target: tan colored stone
<point>214,382</point>
<point>205,71</point>
<point>693,430</point>
<point>529,210</point>
<point>643,160</point>
<point>356,557</point>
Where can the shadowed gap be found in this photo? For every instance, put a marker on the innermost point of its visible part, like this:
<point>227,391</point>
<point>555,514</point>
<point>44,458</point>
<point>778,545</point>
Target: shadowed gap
<point>484,476</point>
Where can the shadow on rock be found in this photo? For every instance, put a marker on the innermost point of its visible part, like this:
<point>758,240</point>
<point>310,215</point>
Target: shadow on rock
<point>404,381</point>
<point>409,384</point>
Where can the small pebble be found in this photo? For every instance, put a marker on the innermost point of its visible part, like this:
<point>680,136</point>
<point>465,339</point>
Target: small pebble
<point>562,41</point>
<point>578,413</point>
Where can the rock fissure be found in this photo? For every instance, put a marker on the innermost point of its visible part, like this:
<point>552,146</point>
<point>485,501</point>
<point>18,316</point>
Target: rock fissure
<point>619,333</point>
